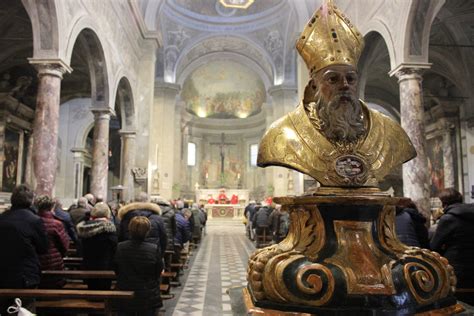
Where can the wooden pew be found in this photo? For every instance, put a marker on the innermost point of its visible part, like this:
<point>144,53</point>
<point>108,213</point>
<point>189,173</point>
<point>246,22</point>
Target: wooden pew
<point>70,300</point>
<point>96,274</point>
<point>72,262</point>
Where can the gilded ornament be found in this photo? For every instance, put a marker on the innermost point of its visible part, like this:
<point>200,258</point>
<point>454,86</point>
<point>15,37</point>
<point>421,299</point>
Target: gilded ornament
<point>342,248</point>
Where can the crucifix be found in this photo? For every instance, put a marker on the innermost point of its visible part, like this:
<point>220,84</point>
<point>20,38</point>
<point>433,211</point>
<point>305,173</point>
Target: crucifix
<point>221,145</point>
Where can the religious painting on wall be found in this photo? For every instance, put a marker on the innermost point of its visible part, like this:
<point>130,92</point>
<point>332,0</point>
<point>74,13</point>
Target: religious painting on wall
<point>10,164</point>
<point>436,164</point>
<point>223,89</point>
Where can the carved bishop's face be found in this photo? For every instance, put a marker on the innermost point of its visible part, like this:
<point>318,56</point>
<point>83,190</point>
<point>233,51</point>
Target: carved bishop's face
<point>335,105</point>
<point>337,81</point>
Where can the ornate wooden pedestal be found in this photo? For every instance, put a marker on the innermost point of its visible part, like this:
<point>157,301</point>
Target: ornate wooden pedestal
<point>342,256</point>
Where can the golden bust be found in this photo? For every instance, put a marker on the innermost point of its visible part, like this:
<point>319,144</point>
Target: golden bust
<point>333,136</point>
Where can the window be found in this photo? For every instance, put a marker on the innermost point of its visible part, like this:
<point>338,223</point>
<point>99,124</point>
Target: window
<point>191,154</point>
<point>253,155</point>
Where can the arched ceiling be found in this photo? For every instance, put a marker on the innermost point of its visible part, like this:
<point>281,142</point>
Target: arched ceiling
<point>264,34</point>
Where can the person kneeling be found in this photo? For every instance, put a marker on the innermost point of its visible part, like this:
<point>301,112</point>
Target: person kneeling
<point>138,266</point>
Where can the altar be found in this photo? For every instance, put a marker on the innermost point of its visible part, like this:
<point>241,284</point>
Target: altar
<point>218,207</point>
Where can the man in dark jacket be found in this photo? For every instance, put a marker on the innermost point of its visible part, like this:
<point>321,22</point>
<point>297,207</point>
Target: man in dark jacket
<point>454,236</point>
<point>22,238</point>
<point>169,221</point>
<point>260,219</point>
<point>151,211</point>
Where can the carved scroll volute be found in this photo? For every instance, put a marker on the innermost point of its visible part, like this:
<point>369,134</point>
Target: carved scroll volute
<point>305,239</point>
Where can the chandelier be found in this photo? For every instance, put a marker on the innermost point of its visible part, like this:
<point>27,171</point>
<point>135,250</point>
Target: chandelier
<point>237,4</point>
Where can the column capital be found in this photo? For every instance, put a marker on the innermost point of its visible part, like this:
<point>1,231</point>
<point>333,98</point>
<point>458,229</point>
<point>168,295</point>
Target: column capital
<point>102,113</point>
<point>127,134</point>
<point>405,69</point>
<point>51,67</point>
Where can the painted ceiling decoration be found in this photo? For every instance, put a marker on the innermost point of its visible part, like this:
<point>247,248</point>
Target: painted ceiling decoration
<point>210,91</point>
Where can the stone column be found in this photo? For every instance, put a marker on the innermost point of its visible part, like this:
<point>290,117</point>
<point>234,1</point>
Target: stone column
<point>416,182</point>
<point>46,124</point>
<point>100,153</point>
<point>127,163</point>
<point>79,158</point>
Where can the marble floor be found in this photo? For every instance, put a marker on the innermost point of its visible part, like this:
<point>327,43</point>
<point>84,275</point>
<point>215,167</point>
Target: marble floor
<point>218,264</point>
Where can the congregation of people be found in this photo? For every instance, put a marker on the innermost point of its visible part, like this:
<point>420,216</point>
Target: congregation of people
<point>137,240</point>
<point>266,223</point>
<point>141,239</point>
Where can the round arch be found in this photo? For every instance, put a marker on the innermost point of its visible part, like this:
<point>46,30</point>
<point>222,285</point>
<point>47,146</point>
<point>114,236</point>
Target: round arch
<point>375,84</point>
<point>263,59</point>
<point>96,58</point>
<point>124,102</point>
<point>44,19</point>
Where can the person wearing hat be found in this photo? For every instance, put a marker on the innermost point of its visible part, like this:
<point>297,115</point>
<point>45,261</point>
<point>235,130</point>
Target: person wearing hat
<point>99,240</point>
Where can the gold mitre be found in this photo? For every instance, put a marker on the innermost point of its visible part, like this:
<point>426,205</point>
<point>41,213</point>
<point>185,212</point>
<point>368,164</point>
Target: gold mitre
<point>329,39</point>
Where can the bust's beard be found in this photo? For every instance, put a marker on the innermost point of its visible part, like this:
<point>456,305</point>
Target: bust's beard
<point>341,123</point>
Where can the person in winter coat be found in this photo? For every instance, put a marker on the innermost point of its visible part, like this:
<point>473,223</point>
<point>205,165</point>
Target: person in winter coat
<point>260,219</point>
<point>410,225</point>
<point>78,213</point>
<point>278,221</point>
<point>454,236</point>
<point>138,266</point>
<point>151,211</point>
<point>58,241</point>
<point>65,219</point>
<point>197,222</point>
<point>22,239</point>
<point>183,235</point>
<point>99,241</point>
<point>169,221</point>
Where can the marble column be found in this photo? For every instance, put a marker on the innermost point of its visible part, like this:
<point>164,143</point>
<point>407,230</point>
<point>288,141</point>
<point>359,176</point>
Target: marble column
<point>100,153</point>
<point>46,125</point>
<point>127,163</point>
<point>416,182</point>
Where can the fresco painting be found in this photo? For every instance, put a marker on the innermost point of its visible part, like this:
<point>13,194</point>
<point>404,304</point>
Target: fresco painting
<point>223,89</point>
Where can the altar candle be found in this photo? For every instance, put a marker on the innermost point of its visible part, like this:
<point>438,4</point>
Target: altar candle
<point>238,175</point>
<point>207,175</point>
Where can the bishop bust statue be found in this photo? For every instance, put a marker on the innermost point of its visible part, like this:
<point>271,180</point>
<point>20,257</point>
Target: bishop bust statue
<point>333,136</point>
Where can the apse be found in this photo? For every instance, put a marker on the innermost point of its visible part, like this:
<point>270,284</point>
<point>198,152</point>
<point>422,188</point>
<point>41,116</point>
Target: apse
<point>223,90</point>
